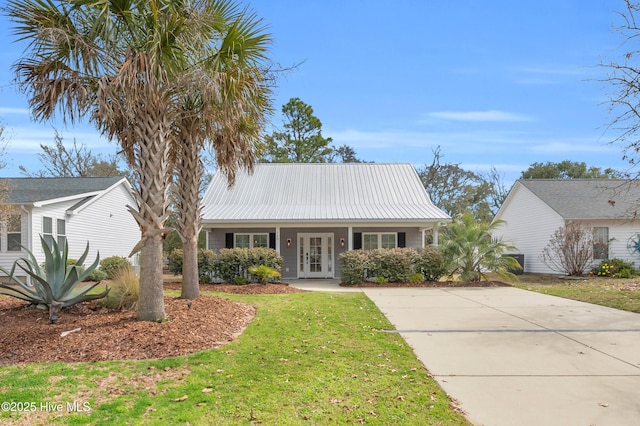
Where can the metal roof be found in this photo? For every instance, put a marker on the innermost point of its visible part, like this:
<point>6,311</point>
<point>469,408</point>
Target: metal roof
<point>588,198</point>
<point>34,190</point>
<point>321,192</point>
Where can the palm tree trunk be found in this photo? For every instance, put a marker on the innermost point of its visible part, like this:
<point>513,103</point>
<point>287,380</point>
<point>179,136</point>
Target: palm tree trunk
<point>188,176</point>
<point>152,167</point>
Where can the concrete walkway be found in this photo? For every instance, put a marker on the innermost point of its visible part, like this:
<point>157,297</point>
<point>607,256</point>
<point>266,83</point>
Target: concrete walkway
<point>513,357</point>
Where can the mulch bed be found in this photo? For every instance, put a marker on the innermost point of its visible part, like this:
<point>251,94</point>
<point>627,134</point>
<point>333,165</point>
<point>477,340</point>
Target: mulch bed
<point>433,284</point>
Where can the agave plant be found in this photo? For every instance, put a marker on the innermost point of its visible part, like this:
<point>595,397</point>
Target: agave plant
<point>56,284</point>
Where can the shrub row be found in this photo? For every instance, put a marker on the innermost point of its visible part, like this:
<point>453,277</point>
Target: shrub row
<point>229,265</point>
<point>392,265</point>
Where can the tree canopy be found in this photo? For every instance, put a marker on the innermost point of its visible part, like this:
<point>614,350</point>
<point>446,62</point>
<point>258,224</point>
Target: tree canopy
<point>568,170</point>
<point>302,140</point>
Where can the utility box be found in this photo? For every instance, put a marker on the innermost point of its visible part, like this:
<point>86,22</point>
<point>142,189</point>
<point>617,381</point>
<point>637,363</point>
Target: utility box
<point>520,259</point>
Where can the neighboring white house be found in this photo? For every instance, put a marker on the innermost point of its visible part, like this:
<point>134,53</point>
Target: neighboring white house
<point>536,208</point>
<point>311,213</point>
<point>75,210</point>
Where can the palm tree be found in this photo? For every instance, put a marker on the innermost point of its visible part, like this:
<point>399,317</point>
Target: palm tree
<point>224,109</point>
<point>472,251</point>
<point>121,63</point>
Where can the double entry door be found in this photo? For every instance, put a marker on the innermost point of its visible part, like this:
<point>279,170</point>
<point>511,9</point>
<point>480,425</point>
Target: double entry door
<point>315,255</point>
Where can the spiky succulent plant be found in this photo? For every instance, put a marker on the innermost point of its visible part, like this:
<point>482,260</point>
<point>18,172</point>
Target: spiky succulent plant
<point>56,285</point>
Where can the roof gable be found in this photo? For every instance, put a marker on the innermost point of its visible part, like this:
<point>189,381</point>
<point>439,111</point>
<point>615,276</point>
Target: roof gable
<point>587,198</point>
<point>43,190</point>
<point>321,192</point>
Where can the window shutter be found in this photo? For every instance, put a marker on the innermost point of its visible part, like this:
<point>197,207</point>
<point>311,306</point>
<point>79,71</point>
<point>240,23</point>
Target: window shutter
<point>228,240</point>
<point>272,240</point>
<point>402,239</point>
<point>357,240</point>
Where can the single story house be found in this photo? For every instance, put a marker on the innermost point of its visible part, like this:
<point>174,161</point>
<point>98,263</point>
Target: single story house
<point>535,208</point>
<point>311,213</point>
<point>76,210</point>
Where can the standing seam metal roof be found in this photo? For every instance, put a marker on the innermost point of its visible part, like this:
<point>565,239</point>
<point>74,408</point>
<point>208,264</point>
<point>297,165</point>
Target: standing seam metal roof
<point>321,192</point>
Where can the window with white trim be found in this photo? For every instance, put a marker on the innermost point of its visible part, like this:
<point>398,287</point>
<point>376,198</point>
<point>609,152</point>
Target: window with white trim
<point>47,230</point>
<point>251,240</point>
<point>61,231</point>
<point>13,226</point>
<point>373,240</point>
<point>601,242</point>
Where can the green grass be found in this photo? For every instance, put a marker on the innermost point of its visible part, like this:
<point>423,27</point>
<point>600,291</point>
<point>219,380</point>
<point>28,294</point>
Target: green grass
<point>614,293</point>
<point>307,358</point>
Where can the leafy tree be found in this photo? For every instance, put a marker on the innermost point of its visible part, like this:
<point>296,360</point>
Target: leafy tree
<point>568,170</point>
<point>224,108</point>
<point>127,66</point>
<point>302,140</point>
<point>58,160</point>
<point>468,244</point>
<point>456,190</point>
<point>570,249</point>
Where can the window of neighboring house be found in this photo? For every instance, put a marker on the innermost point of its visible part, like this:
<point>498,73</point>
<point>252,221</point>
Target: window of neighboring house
<point>251,240</point>
<point>61,231</point>
<point>14,232</point>
<point>601,242</point>
<point>372,241</point>
<point>47,230</point>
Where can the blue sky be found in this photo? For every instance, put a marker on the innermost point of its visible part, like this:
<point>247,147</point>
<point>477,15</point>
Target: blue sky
<point>494,83</point>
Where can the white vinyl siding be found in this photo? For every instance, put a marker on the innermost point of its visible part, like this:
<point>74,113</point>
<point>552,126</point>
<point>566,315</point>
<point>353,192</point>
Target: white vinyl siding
<point>529,225</point>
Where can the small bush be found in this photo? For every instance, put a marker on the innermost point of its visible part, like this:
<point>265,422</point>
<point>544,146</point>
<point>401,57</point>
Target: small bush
<point>240,280</point>
<point>206,261</point>
<point>431,263</point>
<point>395,265</point>
<point>232,263</point>
<point>125,290</point>
<point>264,273</point>
<point>416,278</point>
<point>96,275</point>
<point>380,280</point>
<point>615,268</point>
<point>111,265</point>
<point>354,266</point>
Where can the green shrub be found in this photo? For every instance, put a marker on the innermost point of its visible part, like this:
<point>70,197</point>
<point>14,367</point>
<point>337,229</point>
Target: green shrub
<point>240,280</point>
<point>431,263</point>
<point>264,273</point>
<point>111,265</point>
<point>396,265</point>
<point>125,290</point>
<point>615,268</point>
<point>232,263</point>
<point>206,261</point>
<point>96,275</point>
<point>380,280</point>
<point>416,278</point>
<point>354,266</point>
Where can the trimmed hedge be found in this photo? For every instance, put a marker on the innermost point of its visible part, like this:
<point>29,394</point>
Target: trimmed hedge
<point>229,265</point>
<point>392,265</point>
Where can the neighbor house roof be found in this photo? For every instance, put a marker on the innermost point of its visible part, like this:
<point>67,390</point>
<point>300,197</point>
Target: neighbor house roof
<point>321,192</point>
<point>588,198</point>
<point>41,190</point>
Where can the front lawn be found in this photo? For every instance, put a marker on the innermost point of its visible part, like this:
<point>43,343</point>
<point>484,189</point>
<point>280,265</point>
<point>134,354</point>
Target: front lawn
<point>616,293</point>
<point>307,358</point>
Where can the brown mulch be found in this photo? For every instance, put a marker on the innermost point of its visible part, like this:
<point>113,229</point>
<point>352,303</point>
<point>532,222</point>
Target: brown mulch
<point>87,332</point>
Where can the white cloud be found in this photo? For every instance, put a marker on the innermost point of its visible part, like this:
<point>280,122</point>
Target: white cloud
<point>479,116</point>
<point>7,111</point>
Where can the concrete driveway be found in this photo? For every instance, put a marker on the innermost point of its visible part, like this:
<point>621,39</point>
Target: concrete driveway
<point>513,357</point>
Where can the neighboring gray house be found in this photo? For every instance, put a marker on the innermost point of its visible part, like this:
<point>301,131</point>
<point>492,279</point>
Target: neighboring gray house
<point>536,208</point>
<point>311,213</point>
<point>75,209</point>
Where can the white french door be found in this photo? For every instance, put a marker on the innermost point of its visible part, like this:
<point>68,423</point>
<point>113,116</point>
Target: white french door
<point>315,255</point>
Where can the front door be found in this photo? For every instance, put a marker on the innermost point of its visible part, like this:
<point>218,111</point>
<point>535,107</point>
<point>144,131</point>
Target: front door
<point>315,255</point>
